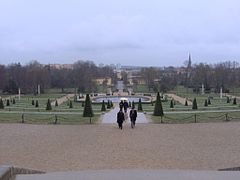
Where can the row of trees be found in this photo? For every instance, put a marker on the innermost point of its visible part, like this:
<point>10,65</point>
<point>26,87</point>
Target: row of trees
<point>224,75</point>
<point>29,76</point>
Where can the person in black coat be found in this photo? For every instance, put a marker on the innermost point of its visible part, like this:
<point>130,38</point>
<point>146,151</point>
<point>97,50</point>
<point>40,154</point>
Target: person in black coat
<point>125,106</point>
<point>120,119</point>
<point>133,115</point>
<point>121,105</point>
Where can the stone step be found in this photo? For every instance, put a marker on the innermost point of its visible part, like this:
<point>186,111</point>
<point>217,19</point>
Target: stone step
<point>135,175</point>
<point>9,172</point>
<point>5,172</point>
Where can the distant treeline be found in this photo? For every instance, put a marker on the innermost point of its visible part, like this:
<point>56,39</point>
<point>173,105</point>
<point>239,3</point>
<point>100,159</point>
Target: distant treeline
<point>224,75</point>
<point>29,76</point>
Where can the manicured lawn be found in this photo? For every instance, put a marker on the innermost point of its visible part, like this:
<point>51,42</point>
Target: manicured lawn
<point>47,118</point>
<point>200,117</point>
<point>66,115</point>
<point>39,115</point>
<point>141,88</point>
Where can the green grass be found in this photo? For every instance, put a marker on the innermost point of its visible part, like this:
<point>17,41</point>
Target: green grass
<point>47,118</point>
<point>200,118</point>
<point>235,91</point>
<point>141,88</point>
<point>101,89</point>
<point>24,106</point>
<point>216,105</point>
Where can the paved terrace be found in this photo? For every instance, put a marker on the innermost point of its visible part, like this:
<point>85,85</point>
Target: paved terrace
<point>134,175</point>
<point>50,148</point>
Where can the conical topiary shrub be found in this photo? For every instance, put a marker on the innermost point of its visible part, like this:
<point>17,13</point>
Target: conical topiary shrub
<point>103,106</point>
<point>88,112</point>
<point>158,110</point>
<point>152,103</point>
<point>186,102</point>
<point>36,104</point>
<point>1,104</point>
<point>234,101</point>
<point>8,102</point>
<point>171,104</point>
<point>228,99</point>
<point>140,105</point>
<point>206,103</point>
<point>13,101</point>
<point>133,105</point>
<point>56,103</point>
<point>70,104</point>
<point>75,98</point>
<point>33,103</point>
<point>49,106</point>
<point>111,104</point>
<point>108,105</point>
<point>194,105</point>
<point>130,104</point>
<point>209,101</point>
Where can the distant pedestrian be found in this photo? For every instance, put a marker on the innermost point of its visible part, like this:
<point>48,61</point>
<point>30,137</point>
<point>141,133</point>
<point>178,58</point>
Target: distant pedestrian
<point>133,116</point>
<point>125,106</point>
<point>121,105</point>
<point>120,119</point>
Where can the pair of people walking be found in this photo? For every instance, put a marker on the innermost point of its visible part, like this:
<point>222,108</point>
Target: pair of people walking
<point>121,117</point>
<point>123,105</point>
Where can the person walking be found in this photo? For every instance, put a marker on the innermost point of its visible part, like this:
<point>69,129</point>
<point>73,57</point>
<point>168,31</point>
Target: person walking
<point>120,119</point>
<point>133,116</point>
<point>121,105</point>
<point>125,106</point>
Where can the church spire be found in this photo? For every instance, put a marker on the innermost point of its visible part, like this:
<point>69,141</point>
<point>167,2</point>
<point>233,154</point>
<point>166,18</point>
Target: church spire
<point>189,61</point>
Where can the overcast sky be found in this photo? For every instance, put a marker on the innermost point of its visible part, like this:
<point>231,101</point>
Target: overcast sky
<point>129,32</point>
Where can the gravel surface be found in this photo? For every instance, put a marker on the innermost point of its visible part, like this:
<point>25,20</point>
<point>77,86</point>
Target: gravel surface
<point>111,117</point>
<point>179,99</point>
<point>63,99</point>
<point>149,146</point>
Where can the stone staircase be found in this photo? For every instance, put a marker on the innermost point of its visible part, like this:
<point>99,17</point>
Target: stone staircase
<point>9,172</point>
<point>135,175</point>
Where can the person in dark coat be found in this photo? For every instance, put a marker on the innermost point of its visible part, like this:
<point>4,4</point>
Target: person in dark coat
<point>133,115</point>
<point>120,119</point>
<point>125,106</point>
<point>121,105</point>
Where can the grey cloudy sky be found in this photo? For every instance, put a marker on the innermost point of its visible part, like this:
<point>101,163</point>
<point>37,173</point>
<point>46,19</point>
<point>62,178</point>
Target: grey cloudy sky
<point>130,32</point>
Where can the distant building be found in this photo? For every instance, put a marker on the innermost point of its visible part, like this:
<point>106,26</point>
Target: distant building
<point>61,66</point>
<point>100,81</point>
<point>138,80</point>
<point>118,73</point>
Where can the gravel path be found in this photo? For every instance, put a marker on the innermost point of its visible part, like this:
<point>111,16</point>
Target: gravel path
<point>9,97</point>
<point>50,148</point>
<point>63,99</point>
<point>232,96</point>
<point>111,117</point>
<point>179,99</point>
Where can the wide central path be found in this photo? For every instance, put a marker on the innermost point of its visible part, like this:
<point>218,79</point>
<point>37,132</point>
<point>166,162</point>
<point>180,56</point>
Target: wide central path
<point>111,117</point>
